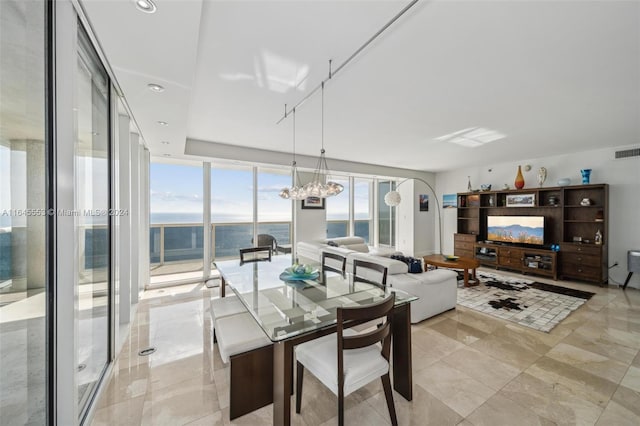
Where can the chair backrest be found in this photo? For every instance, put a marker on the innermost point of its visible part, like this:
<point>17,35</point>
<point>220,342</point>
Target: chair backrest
<point>265,240</point>
<point>336,257</point>
<point>363,264</point>
<point>353,316</point>
<point>257,254</point>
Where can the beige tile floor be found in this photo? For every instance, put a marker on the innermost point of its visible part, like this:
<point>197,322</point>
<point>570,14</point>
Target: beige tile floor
<point>469,369</point>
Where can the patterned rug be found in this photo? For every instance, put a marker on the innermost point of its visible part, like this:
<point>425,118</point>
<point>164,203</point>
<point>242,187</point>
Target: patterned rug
<point>529,303</point>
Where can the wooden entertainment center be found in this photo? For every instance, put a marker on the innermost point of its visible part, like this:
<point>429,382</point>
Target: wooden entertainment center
<point>573,215</point>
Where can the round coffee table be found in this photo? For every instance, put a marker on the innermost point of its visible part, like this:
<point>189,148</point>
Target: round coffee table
<point>464,263</point>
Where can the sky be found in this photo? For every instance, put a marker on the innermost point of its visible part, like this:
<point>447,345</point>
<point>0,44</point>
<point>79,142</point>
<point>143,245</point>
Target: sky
<point>178,189</point>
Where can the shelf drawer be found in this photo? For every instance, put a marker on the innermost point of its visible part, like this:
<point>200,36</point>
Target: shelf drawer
<point>464,253</point>
<point>467,238</point>
<point>582,259</point>
<point>581,248</point>
<point>463,245</point>
<point>510,261</point>
<point>588,273</point>
<point>512,253</point>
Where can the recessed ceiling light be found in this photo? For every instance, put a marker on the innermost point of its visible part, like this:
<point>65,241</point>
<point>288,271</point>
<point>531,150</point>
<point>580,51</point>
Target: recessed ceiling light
<point>146,6</point>
<point>167,155</point>
<point>165,142</point>
<point>155,87</point>
<point>163,123</point>
<point>472,137</point>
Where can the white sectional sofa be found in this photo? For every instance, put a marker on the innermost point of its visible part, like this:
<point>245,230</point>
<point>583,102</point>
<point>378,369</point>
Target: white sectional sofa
<point>436,289</point>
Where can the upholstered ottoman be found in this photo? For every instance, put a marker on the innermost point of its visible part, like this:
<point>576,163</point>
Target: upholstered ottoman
<point>437,290</point>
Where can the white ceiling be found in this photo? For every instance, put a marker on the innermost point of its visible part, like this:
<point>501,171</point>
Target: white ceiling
<point>554,77</point>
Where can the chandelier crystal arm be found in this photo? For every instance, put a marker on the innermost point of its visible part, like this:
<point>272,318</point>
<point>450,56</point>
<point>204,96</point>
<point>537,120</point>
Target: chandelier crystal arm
<point>392,198</point>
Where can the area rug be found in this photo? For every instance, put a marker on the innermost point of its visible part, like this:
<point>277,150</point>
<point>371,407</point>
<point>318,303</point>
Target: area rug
<point>526,302</point>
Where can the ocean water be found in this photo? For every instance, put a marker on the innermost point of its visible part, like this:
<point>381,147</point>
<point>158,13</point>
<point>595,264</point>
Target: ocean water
<point>187,242</point>
<point>5,258</point>
<point>184,242</point>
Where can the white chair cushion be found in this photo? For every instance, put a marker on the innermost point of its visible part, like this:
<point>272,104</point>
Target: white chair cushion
<point>225,306</point>
<point>361,366</point>
<point>237,334</point>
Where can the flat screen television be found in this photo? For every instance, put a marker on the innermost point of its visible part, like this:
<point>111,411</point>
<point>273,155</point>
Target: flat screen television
<point>516,229</point>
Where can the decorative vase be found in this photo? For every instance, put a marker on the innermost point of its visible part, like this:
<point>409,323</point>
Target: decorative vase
<point>469,184</point>
<point>542,176</point>
<point>586,175</point>
<point>519,183</point>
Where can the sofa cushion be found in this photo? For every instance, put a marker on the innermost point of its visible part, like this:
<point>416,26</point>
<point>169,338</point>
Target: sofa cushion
<point>383,251</point>
<point>393,266</point>
<point>362,248</point>
<point>343,241</point>
<point>342,251</point>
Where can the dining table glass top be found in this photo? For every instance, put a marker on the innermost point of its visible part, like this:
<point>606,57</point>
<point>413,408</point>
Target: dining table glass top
<point>284,309</point>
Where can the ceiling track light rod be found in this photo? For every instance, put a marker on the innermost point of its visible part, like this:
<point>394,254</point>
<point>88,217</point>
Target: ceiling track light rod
<point>350,58</point>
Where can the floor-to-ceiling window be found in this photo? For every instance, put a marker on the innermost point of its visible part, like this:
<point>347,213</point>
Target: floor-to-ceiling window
<point>93,230</point>
<point>176,221</point>
<point>231,209</point>
<point>274,213</point>
<point>338,210</point>
<point>363,208</point>
<point>386,215</point>
<point>24,372</point>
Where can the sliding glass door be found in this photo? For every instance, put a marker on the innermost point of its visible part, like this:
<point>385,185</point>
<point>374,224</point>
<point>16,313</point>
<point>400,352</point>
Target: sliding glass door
<point>386,215</point>
<point>93,228</point>
<point>232,204</point>
<point>362,209</point>
<point>24,283</point>
<point>176,230</point>
<point>338,210</point>
<point>274,213</point>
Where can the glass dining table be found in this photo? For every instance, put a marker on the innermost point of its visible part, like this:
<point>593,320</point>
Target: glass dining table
<point>291,312</point>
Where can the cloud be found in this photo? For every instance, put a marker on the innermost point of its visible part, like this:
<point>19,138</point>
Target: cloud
<point>170,196</point>
<point>270,188</point>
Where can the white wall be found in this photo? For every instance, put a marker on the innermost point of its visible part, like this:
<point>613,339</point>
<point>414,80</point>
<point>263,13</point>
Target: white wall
<point>623,177</point>
<point>311,224</point>
<point>417,231</point>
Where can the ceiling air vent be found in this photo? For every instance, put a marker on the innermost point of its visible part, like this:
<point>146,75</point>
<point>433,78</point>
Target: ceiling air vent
<point>633,152</point>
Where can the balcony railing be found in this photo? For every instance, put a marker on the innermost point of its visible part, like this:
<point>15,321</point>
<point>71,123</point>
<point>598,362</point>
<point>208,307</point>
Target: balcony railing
<point>340,228</point>
<point>185,241</point>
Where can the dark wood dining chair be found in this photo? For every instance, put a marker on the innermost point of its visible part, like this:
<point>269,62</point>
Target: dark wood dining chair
<point>332,360</point>
<point>267,240</point>
<point>342,260</point>
<point>255,254</point>
<point>369,266</point>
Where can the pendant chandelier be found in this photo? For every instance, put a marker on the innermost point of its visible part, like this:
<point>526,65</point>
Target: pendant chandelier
<point>296,191</point>
<point>321,185</point>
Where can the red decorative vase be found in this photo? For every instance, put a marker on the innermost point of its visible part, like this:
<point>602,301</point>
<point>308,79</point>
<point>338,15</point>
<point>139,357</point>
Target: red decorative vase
<point>519,183</point>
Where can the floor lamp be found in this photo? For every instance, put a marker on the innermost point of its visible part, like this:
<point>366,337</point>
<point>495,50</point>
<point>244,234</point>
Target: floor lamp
<point>392,199</point>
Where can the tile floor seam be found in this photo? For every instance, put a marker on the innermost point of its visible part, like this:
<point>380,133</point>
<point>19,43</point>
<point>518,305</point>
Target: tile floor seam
<point>605,307</point>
